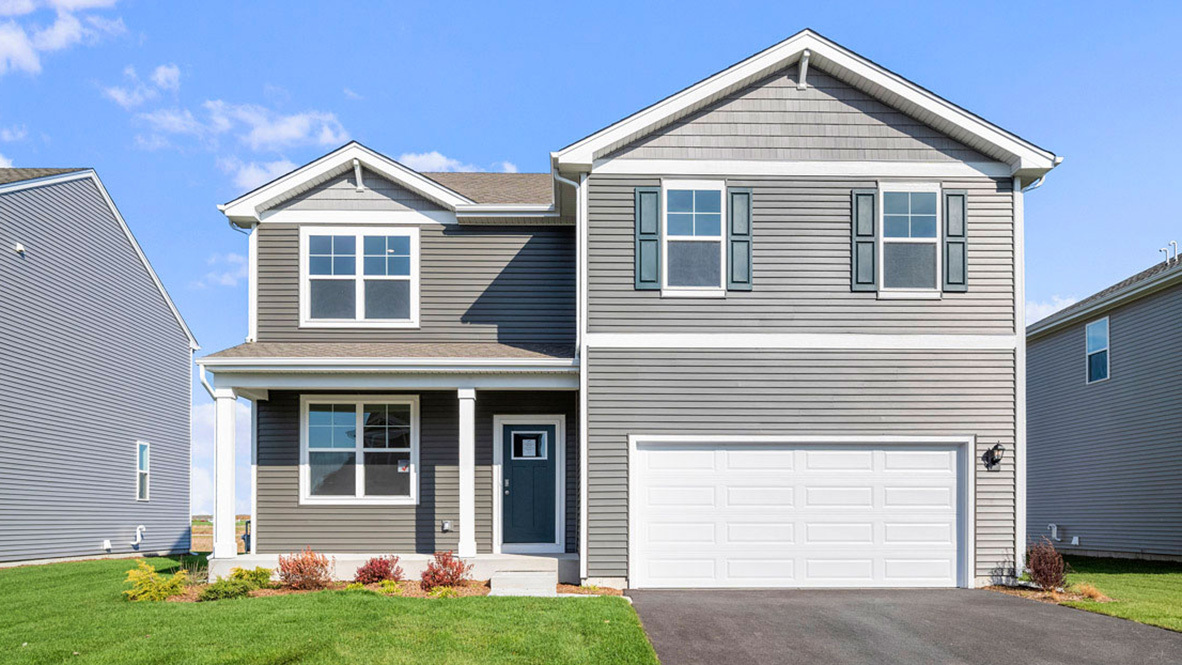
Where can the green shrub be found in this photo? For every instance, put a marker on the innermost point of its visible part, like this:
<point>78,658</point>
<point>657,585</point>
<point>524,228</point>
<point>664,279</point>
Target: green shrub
<point>147,584</point>
<point>355,586</point>
<point>390,587</point>
<point>226,587</point>
<point>443,592</point>
<point>259,577</point>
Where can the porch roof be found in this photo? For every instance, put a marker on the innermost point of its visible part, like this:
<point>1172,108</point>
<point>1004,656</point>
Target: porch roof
<point>336,351</point>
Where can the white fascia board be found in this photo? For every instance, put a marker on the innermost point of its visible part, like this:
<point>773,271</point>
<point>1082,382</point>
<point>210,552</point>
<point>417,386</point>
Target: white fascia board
<point>392,364</point>
<point>355,217</point>
<point>743,168</point>
<point>582,154</point>
<point>91,175</point>
<point>852,341</point>
<point>249,206</point>
<point>506,209</point>
<point>302,380</point>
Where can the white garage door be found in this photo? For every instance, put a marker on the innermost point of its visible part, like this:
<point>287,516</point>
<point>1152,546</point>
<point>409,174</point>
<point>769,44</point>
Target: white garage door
<point>762,515</point>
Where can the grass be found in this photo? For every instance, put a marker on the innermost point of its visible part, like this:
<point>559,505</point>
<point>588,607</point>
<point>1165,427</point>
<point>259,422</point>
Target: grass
<point>1144,591</point>
<point>75,612</point>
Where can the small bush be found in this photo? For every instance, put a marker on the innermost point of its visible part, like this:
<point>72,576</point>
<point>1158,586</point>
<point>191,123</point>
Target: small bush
<point>378,569</point>
<point>445,570</point>
<point>259,578</point>
<point>444,592</point>
<point>147,584</point>
<point>304,570</point>
<point>226,587</point>
<point>390,587</point>
<point>355,586</point>
<point>1046,565</point>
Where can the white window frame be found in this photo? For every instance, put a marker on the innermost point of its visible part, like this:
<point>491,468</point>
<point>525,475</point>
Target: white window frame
<point>146,472</point>
<point>1107,349</point>
<point>693,291</point>
<point>359,277</point>
<point>359,498</point>
<point>919,294</point>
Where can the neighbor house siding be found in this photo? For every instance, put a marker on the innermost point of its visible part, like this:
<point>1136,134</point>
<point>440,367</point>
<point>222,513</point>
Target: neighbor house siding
<point>1104,459</point>
<point>734,392</point>
<point>478,284</point>
<point>773,120</point>
<point>283,525</point>
<point>93,359</point>
<point>801,266</point>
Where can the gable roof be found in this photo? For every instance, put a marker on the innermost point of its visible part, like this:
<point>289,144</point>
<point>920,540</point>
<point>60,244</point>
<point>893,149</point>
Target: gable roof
<point>499,188</point>
<point>44,177</point>
<point>1146,282</point>
<point>11,175</point>
<point>1025,158</point>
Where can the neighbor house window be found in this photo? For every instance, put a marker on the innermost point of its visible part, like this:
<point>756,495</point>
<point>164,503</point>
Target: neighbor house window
<point>694,242</point>
<point>142,462</point>
<point>910,256</point>
<point>359,277</point>
<point>359,450</point>
<point>1096,333</point>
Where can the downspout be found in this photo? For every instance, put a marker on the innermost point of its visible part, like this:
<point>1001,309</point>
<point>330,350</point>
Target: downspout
<point>205,382</point>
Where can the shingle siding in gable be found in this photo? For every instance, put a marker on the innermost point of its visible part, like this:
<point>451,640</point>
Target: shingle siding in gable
<point>93,359</point>
<point>1104,459</point>
<point>828,121</point>
<point>341,193</point>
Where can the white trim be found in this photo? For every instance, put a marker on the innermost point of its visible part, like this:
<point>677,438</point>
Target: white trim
<point>254,475</point>
<point>359,499</point>
<point>93,176</point>
<point>146,471</point>
<point>252,279</point>
<point>885,292</point>
<point>800,341</point>
<point>359,277</point>
<point>584,426</point>
<point>355,217</point>
<point>1107,351</point>
<point>281,379</point>
<point>966,475</point>
<point>457,364</point>
<point>1019,455</point>
<point>507,210</point>
<point>668,290</point>
<point>748,168</point>
<point>498,480</point>
<point>466,448</point>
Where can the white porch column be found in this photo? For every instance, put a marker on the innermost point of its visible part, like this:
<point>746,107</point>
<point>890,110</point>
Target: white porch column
<point>225,542</point>
<point>467,428</point>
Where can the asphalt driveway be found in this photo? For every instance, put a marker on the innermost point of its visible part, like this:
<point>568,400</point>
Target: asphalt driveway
<point>889,626</point>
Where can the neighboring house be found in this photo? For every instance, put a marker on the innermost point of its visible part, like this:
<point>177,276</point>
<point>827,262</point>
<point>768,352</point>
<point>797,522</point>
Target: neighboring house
<point>1105,428</point>
<point>95,389</point>
<point>760,333</point>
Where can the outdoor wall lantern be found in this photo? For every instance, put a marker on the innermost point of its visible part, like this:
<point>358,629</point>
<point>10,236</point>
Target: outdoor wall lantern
<point>992,457</point>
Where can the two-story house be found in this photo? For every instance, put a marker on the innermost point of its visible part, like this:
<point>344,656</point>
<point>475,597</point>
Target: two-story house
<point>765,332</point>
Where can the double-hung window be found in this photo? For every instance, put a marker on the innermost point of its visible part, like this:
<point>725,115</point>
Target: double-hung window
<point>359,450</point>
<point>359,277</point>
<point>909,253</point>
<point>1096,333</point>
<point>142,470</point>
<point>694,238</point>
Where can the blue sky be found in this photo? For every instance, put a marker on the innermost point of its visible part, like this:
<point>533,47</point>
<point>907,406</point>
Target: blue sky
<point>181,106</point>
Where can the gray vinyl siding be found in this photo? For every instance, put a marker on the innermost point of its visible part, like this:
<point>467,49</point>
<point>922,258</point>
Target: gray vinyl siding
<point>1105,460</point>
<point>772,120</point>
<point>341,193</point>
<point>282,525</point>
<point>478,284</point>
<point>730,392</point>
<point>93,359</point>
<point>801,266</point>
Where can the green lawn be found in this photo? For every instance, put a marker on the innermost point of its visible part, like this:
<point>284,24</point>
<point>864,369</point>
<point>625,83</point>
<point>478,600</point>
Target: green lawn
<point>50,612</point>
<point>1145,591</point>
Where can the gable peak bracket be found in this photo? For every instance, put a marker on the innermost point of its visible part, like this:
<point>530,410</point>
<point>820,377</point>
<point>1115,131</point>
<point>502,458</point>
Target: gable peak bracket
<point>357,174</point>
<point>802,81</point>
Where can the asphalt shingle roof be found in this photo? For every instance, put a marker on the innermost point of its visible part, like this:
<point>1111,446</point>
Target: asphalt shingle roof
<point>17,175</point>
<point>1158,271</point>
<point>499,187</point>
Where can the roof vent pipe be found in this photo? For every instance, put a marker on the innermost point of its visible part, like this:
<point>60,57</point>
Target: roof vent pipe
<point>804,70</point>
<point>1174,244</point>
<point>357,175</point>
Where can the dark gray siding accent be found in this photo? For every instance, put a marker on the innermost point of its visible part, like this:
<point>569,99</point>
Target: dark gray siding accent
<point>729,392</point>
<point>285,526</point>
<point>92,359</point>
<point>341,193</point>
<point>801,260</point>
<point>1105,460</point>
<point>772,120</point>
<point>478,284</point>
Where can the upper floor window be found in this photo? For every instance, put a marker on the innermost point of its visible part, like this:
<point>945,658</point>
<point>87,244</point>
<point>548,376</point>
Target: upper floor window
<point>910,231</point>
<point>1096,333</point>
<point>359,277</point>
<point>695,260</point>
<point>141,470</point>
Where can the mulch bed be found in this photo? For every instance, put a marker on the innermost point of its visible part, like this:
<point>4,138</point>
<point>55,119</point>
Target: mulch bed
<point>410,589</point>
<point>1051,597</point>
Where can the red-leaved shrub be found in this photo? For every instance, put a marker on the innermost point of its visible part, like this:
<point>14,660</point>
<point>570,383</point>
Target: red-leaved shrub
<point>304,570</point>
<point>1046,565</point>
<point>445,570</point>
<point>377,569</point>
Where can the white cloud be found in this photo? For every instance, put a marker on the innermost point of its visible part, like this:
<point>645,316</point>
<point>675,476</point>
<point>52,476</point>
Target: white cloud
<point>434,161</point>
<point>136,91</point>
<point>167,77</point>
<point>261,128</point>
<point>1037,311</point>
<point>5,163</point>
<point>23,39</point>
<point>13,133</point>
<point>349,94</point>
<point>17,7</point>
<point>16,51</point>
<point>505,167</point>
<point>201,478</point>
<point>173,121</point>
<point>65,32</point>
<point>224,270</point>
<point>248,175</point>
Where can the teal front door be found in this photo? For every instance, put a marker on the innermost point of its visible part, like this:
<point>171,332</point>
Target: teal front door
<point>529,459</point>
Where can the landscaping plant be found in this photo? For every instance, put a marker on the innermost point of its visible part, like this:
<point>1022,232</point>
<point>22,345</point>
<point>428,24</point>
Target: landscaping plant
<point>444,592</point>
<point>227,587</point>
<point>379,569</point>
<point>1046,565</point>
<point>390,587</point>
<point>147,584</point>
<point>304,570</point>
<point>445,570</point>
<point>259,578</point>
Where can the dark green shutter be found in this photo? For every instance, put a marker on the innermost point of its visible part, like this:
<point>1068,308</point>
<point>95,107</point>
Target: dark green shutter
<point>648,238</point>
<point>956,272</point>
<point>863,248</point>
<point>738,238</point>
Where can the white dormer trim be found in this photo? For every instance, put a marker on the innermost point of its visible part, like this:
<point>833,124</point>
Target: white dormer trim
<point>1024,158</point>
<point>249,208</point>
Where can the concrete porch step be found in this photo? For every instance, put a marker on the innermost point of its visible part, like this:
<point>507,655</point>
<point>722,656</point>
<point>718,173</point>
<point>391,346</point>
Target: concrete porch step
<point>523,583</point>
